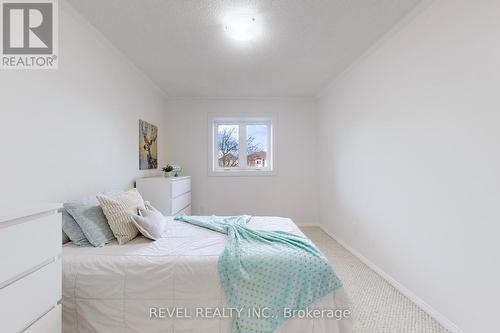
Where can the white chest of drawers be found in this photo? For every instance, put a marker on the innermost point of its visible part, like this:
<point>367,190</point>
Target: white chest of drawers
<point>170,195</point>
<point>30,277</point>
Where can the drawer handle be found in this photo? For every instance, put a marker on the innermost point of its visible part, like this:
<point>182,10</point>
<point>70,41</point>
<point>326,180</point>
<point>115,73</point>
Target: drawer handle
<point>26,273</point>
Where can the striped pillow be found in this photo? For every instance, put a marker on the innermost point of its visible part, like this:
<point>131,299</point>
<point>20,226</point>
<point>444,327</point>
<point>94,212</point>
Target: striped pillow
<point>119,211</point>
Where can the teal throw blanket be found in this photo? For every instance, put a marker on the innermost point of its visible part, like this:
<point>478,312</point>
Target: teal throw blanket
<point>267,274</point>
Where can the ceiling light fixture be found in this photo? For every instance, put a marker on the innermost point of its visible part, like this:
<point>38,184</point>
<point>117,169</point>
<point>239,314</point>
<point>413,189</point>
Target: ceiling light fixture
<point>241,27</point>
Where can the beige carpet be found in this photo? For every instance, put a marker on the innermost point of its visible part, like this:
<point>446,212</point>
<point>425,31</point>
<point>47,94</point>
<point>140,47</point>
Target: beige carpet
<point>377,306</point>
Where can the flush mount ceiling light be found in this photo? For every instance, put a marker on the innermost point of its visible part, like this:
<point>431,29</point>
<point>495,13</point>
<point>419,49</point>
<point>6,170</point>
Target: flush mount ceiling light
<point>241,27</point>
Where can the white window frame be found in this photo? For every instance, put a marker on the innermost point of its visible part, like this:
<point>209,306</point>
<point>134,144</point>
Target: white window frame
<point>243,120</point>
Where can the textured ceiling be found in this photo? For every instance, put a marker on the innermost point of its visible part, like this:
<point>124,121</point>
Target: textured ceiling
<point>181,44</point>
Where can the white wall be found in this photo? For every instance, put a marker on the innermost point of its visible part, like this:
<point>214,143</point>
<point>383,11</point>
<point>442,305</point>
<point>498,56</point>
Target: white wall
<point>410,167</point>
<point>72,132</point>
<point>291,193</point>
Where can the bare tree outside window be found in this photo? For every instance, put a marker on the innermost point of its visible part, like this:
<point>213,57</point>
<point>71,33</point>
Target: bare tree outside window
<point>228,145</point>
<point>252,146</point>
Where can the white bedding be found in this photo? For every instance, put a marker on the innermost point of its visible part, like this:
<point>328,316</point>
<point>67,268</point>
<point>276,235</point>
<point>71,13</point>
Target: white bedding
<point>113,288</point>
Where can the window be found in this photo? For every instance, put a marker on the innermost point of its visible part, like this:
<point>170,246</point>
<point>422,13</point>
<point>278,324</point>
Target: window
<point>241,145</point>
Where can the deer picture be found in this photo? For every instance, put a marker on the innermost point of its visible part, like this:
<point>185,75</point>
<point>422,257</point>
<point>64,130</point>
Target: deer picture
<point>149,134</point>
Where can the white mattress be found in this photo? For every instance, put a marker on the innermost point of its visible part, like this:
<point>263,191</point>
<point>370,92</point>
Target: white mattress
<point>112,289</point>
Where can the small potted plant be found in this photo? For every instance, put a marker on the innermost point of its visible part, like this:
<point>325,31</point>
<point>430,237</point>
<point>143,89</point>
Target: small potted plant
<point>167,170</point>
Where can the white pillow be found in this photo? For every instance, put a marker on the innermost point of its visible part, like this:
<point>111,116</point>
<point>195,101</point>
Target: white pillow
<point>119,211</point>
<point>150,222</point>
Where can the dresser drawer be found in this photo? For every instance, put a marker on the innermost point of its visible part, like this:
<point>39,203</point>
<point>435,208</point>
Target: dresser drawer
<point>180,187</point>
<point>181,202</point>
<point>27,299</point>
<point>49,323</point>
<point>28,244</point>
<point>167,194</point>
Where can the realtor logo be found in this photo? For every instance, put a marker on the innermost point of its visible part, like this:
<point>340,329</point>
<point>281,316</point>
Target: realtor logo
<point>29,34</point>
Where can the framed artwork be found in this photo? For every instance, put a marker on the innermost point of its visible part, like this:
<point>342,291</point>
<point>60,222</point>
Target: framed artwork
<point>148,146</point>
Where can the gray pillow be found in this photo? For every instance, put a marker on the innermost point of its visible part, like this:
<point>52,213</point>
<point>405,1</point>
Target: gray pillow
<point>151,223</point>
<point>90,218</point>
<point>73,230</point>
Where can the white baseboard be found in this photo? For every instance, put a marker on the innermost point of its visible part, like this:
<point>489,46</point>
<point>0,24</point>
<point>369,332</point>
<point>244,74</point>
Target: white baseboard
<point>448,324</point>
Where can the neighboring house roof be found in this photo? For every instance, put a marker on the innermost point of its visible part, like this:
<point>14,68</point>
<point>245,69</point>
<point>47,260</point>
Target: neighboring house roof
<point>229,157</point>
<point>251,159</point>
<point>256,155</point>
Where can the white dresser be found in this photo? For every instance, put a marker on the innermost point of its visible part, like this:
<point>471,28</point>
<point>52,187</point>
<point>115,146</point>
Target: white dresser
<point>30,274</point>
<point>170,195</point>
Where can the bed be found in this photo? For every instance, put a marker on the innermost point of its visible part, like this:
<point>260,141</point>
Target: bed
<point>170,285</point>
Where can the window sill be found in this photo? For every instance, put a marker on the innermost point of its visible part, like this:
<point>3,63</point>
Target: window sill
<point>241,173</point>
